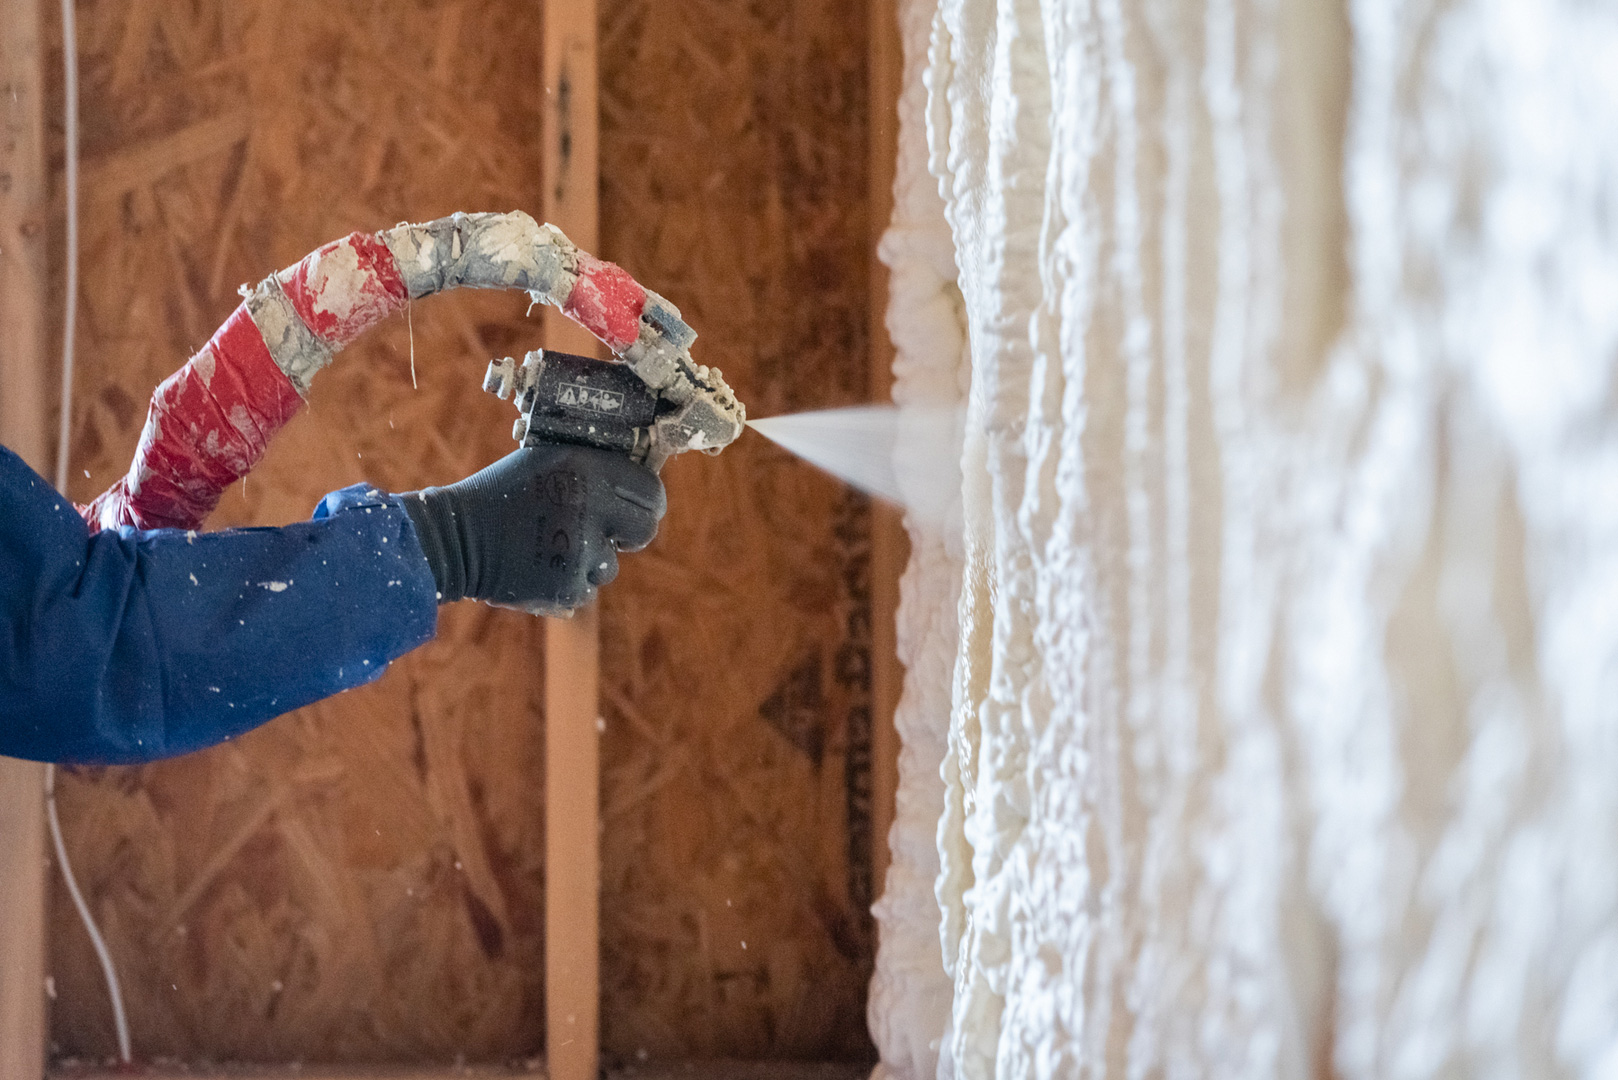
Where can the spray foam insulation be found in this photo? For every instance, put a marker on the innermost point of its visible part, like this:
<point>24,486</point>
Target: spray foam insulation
<point>1282,739</point>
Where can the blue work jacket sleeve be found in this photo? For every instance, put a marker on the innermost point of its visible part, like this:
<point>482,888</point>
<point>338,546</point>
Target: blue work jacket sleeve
<point>126,646</point>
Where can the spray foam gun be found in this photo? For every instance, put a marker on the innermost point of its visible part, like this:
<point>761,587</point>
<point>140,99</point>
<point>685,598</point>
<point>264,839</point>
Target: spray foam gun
<point>654,404</point>
<point>563,397</point>
<point>210,422</point>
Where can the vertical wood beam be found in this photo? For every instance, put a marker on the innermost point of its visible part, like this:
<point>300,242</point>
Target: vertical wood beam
<point>572,647</point>
<point>23,196</point>
<point>22,920</point>
<point>23,423</point>
<point>23,193</point>
<point>889,546</point>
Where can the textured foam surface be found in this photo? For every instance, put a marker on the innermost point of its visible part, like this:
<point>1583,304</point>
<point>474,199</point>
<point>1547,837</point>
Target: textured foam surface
<point>1283,737</point>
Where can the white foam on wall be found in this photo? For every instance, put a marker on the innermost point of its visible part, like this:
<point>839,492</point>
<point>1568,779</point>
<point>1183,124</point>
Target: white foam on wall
<point>1284,728</point>
<point>910,991</point>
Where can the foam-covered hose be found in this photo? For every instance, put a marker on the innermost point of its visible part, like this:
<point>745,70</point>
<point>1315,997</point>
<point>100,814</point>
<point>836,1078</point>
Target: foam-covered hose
<point>210,422</point>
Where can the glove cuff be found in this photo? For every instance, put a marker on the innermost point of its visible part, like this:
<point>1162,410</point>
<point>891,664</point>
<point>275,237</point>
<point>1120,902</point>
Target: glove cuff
<point>432,512</point>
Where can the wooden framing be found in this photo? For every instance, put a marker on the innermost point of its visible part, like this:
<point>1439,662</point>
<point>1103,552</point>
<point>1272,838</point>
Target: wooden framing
<point>736,763</point>
<point>23,422</point>
<point>23,198</point>
<point>572,647</point>
<point>22,920</point>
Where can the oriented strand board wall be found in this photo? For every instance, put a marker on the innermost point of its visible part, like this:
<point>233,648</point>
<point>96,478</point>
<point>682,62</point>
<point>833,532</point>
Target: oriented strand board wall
<point>361,880</point>
<point>736,690</point>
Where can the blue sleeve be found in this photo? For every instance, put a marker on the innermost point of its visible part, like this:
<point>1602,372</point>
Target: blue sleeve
<point>127,646</point>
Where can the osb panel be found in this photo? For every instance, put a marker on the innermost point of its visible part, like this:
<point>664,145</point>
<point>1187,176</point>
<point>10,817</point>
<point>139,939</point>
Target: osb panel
<point>736,692</point>
<point>361,880</point>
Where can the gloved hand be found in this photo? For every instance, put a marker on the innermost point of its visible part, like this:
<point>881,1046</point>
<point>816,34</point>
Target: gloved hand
<point>538,530</point>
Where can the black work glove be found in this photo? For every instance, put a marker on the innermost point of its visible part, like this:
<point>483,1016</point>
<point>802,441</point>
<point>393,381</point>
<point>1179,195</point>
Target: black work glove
<point>538,530</point>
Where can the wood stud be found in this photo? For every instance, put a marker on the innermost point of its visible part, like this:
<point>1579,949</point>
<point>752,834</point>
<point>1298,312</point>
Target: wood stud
<point>24,414</point>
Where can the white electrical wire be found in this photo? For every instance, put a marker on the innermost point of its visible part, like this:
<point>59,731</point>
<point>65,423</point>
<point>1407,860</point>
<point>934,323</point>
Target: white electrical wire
<point>70,95</point>
<point>107,968</point>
